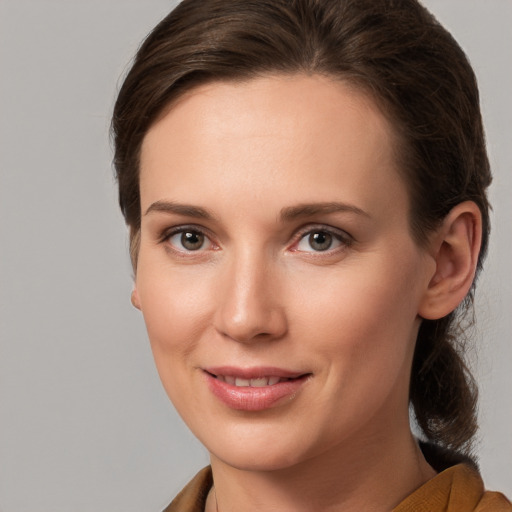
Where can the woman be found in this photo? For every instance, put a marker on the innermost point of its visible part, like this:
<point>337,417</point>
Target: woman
<point>305,186</point>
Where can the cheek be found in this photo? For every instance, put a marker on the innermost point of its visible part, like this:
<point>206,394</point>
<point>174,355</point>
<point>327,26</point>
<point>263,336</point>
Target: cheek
<point>175,305</point>
<point>362,333</point>
<point>358,301</point>
<point>364,321</point>
<point>175,309</point>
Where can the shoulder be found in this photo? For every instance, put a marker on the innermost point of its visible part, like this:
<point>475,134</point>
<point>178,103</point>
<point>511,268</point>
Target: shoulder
<point>494,502</point>
<point>457,489</point>
<point>192,498</point>
<point>458,486</point>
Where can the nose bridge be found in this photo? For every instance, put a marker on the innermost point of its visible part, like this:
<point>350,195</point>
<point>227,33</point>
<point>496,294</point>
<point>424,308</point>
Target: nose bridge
<point>249,307</point>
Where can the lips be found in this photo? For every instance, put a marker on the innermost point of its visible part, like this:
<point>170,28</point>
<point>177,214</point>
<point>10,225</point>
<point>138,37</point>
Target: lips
<point>254,389</point>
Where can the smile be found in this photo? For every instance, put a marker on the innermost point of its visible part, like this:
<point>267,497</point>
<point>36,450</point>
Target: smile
<point>254,389</point>
<point>255,383</point>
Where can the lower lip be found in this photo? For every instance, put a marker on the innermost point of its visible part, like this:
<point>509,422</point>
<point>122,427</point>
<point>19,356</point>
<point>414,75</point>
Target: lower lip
<point>247,398</point>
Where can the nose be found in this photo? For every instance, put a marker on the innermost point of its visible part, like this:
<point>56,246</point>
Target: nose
<point>250,304</point>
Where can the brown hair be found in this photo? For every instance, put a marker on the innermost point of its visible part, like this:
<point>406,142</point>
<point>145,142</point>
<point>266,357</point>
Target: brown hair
<point>397,52</point>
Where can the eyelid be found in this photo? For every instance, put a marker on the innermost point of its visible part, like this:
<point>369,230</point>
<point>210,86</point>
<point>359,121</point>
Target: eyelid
<point>170,232</point>
<point>345,238</point>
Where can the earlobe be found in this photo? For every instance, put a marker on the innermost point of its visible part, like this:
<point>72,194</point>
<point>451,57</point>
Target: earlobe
<point>135,298</point>
<point>455,248</point>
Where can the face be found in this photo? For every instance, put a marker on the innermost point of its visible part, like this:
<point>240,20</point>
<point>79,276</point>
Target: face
<point>277,275</point>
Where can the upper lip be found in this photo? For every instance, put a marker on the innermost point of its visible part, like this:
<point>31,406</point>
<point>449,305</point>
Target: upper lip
<point>253,372</point>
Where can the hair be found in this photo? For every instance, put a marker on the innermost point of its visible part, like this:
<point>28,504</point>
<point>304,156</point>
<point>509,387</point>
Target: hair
<point>396,52</point>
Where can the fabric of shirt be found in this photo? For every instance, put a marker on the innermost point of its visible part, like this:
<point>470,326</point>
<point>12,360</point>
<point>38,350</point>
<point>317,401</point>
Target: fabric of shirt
<point>456,489</point>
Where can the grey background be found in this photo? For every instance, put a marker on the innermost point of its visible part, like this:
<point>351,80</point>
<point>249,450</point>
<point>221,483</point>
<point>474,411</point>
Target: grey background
<point>84,422</point>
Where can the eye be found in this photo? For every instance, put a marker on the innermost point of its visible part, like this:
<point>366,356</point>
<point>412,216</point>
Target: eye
<point>189,240</point>
<point>321,240</point>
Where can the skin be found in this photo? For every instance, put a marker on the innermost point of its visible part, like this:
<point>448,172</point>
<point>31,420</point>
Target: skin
<point>258,293</point>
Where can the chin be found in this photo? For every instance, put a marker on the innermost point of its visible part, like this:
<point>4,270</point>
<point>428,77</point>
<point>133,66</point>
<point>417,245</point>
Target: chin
<point>267,453</point>
<point>267,461</point>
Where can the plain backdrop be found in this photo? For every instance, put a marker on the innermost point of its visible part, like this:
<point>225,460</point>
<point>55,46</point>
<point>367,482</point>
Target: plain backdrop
<point>84,422</point>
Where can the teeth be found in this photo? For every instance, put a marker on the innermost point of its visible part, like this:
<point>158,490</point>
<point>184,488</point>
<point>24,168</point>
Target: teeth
<point>259,382</point>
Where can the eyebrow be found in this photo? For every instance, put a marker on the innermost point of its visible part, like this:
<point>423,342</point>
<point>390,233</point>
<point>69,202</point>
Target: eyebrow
<point>186,210</point>
<point>287,214</point>
<point>308,210</point>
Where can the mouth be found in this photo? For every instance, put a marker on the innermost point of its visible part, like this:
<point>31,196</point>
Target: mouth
<point>258,382</point>
<point>254,389</point>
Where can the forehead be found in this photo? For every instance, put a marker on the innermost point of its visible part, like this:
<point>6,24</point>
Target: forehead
<point>312,132</point>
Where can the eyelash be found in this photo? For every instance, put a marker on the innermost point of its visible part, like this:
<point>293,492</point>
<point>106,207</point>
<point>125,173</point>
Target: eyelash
<point>345,240</point>
<point>167,235</point>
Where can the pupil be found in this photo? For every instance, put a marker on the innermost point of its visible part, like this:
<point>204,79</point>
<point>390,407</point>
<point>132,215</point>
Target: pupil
<point>320,241</point>
<point>192,241</point>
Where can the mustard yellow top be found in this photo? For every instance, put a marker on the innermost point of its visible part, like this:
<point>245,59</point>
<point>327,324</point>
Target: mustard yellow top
<point>456,489</point>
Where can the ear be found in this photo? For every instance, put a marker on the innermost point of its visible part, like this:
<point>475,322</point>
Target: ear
<point>455,248</point>
<point>135,298</point>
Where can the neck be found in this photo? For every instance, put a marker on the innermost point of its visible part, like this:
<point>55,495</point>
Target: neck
<point>365,475</point>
